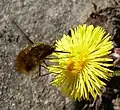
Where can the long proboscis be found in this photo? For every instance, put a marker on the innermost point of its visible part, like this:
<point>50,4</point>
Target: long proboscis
<point>57,51</point>
<point>31,42</point>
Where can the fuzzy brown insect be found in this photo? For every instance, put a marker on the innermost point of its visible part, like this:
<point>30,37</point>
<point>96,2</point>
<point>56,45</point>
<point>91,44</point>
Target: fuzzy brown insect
<point>30,58</point>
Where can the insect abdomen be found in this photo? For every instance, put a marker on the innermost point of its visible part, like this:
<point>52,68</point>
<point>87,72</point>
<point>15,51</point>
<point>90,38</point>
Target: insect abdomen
<point>25,62</point>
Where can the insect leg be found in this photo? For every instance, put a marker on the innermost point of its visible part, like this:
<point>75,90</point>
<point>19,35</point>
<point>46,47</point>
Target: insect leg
<point>39,69</point>
<point>44,67</point>
<point>45,63</point>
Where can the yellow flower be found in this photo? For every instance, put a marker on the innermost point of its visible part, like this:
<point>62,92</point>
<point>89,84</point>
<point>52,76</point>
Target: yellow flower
<point>80,73</point>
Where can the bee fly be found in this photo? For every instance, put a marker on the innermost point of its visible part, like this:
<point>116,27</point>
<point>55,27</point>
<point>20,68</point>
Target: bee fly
<point>30,58</point>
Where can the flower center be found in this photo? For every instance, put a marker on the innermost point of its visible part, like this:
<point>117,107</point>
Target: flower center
<point>74,67</point>
<point>70,65</point>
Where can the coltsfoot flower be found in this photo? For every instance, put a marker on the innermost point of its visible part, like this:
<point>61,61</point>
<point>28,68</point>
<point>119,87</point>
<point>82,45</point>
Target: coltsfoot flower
<point>80,73</point>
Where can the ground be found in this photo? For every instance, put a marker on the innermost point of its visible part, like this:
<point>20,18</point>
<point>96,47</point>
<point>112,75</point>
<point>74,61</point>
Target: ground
<point>44,21</point>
